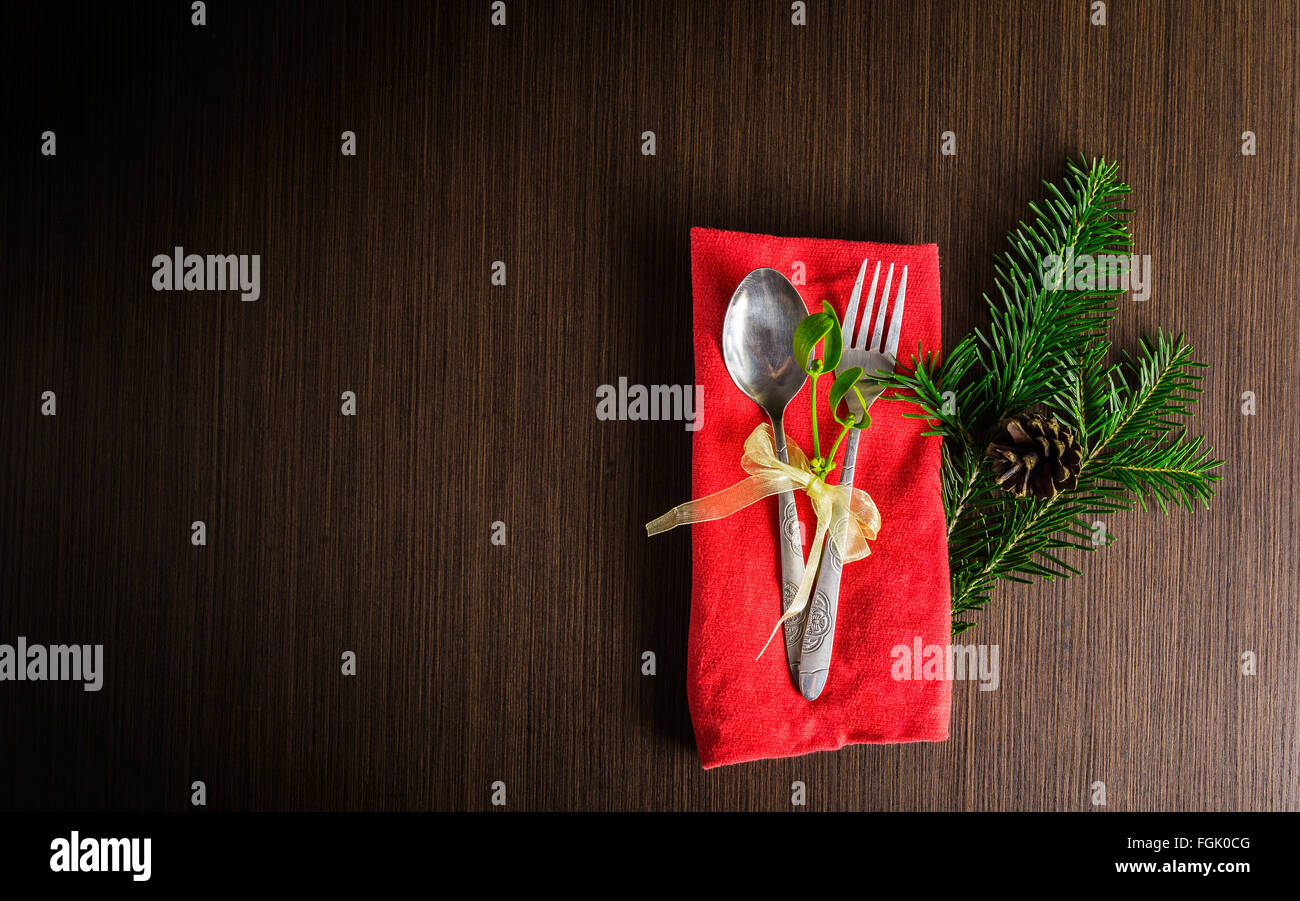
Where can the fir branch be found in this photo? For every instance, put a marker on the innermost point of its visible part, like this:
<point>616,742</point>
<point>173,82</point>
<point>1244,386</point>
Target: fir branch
<point>926,384</point>
<point>1180,471</point>
<point>1046,345</point>
<point>1024,538</point>
<point>1161,384</point>
<point>1037,330</point>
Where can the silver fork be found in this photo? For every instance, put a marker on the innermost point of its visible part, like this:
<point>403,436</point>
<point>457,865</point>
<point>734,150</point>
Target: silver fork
<point>880,354</point>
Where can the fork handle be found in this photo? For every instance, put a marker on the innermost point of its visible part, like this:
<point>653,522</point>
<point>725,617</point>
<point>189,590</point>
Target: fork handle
<point>819,622</point>
<point>792,565</point>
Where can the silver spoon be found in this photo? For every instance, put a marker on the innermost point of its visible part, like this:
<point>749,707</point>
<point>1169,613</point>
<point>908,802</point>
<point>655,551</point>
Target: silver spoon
<point>758,347</point>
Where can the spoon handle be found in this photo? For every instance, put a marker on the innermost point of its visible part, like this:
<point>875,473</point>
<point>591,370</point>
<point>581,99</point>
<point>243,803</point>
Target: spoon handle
<point>792,564</point>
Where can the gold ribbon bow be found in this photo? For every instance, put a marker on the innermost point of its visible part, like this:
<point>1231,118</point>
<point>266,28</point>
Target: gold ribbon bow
<point>848,514</point>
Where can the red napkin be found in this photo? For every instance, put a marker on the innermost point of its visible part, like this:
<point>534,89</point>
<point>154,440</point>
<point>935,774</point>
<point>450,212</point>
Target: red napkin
<point>747,709</point>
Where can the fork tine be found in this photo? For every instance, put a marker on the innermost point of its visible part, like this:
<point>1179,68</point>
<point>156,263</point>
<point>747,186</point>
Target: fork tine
<point>880,311</point>
<point>896,323</point>
<point>850,314</point>
<point>861,327</point>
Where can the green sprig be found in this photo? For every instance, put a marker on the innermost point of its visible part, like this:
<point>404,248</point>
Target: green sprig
<point>824,328</point>
<point>1046,346</point>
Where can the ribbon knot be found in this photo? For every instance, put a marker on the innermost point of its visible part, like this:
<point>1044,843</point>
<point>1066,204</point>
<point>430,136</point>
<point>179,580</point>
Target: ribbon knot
<point>817,491</point>
<point>847,514</point>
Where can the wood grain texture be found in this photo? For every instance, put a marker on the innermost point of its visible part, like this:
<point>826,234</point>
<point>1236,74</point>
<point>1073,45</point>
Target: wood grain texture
<point>476,403</point>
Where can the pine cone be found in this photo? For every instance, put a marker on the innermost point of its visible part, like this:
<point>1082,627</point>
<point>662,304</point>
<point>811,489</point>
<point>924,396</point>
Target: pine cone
<point>1035,454</point>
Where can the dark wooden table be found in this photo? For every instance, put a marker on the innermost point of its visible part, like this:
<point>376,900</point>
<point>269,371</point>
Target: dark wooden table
<point>475,402</point>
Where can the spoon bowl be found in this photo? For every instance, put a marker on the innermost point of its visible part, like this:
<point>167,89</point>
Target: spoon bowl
<point>758,341</point>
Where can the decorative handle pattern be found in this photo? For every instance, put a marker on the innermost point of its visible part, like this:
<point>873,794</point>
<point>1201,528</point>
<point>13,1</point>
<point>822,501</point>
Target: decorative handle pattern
<point>792,565</point>
<point>819,625</point>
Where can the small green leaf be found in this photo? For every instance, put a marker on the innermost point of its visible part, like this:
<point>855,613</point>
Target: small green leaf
<point>806,337</point>
<point>833,344</point>
<point>843,382</point>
